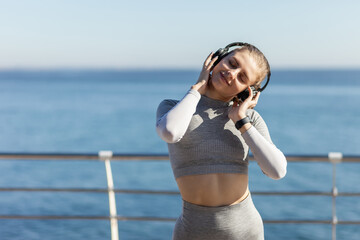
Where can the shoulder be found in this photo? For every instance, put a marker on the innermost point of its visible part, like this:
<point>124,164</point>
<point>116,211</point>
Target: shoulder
<point>165,106</point>
<point>254,116</point>
<point>258,122</point>
<point>167,103</point>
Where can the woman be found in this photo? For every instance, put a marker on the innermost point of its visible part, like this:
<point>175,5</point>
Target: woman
<point>209,133</point>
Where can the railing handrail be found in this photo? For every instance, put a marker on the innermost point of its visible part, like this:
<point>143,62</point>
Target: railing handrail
<point>107,156</point>
<point>151,156</point>
<point>170,192</point>
<point>161,219</point>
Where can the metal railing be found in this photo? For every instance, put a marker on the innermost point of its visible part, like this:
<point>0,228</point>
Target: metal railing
<point>108,156</point>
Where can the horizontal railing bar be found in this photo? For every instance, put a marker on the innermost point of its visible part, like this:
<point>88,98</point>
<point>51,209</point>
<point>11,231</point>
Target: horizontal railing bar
<point>95,190</point>
<point>124,218</point>
<point>348,222</point>
<point>347,194</point>
<point>343,194</point>
<point>53,217</point>
<point>309,222</point>
<point>159,219</point>
<point>156,157</point>
<point>164,192</point>
<point>70,156</point>
<point>59,217</point>
<point>298,221</point>
<point>147,192</point>
<point>152,157</point>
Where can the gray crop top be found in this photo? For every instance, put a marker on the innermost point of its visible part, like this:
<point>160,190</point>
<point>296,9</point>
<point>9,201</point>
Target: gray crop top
<point>202,139</point>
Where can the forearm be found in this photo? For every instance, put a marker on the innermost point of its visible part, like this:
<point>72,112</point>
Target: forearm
<point>172,126</point>
<point>270,159</point>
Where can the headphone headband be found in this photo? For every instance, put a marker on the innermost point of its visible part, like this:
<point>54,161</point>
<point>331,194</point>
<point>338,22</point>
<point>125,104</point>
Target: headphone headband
<point>235,44</point>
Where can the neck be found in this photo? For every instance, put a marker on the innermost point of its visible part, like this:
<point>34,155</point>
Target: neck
<point>213,94</point>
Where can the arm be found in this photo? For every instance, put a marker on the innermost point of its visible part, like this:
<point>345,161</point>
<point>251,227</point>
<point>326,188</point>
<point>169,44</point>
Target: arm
<point>173,121</point>
<point>270,159</point>
<point>174,118</point>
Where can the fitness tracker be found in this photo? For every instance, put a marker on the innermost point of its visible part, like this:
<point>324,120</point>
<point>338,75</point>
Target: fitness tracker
<point>242,122</point>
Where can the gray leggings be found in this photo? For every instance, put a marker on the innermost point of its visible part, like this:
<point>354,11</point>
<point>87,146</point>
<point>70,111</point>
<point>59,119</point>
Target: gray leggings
<point>235,222</point>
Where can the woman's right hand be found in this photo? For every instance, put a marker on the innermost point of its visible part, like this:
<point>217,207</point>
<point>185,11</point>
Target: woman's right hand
<point>202,82</point>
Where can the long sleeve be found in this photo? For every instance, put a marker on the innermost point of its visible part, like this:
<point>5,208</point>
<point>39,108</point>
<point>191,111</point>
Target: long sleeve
<point>173,117</point>
<point>270,159</point>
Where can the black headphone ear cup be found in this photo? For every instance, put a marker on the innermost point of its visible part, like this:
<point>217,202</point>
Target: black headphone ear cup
<point>245,94</point>
<point>220,53</point>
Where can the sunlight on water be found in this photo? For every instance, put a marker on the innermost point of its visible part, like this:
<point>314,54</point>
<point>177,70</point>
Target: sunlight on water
<point>308,112</point>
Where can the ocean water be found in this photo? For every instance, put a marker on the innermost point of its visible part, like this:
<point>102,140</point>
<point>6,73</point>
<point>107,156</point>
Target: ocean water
<point>308,112</point>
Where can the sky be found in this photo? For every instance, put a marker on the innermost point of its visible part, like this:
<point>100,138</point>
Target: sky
<point>157,34</point>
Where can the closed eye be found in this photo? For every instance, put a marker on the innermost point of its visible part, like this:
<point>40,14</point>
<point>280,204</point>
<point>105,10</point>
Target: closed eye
<point>242,78</point>
<point>233,63</point>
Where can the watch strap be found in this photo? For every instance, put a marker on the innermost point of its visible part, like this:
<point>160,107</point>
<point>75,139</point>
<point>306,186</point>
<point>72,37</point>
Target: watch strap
<point>242,122</point>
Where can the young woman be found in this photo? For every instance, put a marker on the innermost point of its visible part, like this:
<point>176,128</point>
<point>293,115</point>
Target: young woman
<point>209,133</point>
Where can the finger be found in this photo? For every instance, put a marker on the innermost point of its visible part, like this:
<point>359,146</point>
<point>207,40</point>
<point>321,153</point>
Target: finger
<point>211,64</point>
<point>251,93</point>
<point>208,59</point>
<point>257,96</point>
<point>252,105</point>
<point>213,60</point>
<point>236,100</point>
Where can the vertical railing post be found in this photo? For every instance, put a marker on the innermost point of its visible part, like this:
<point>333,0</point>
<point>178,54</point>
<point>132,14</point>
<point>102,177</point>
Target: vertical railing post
<point>106,157</point>
<point>334,157</point>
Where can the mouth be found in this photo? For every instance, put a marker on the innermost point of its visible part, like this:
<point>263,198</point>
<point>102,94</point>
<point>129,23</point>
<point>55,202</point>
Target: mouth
<point>222,77</point>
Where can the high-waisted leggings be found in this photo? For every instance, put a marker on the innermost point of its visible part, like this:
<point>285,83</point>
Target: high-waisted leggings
<point>235,222</point>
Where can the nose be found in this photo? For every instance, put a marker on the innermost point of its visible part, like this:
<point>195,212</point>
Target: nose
<point>230,74</point>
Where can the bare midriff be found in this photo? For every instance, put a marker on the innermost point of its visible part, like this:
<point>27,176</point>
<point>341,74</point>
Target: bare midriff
<point>213,190</point>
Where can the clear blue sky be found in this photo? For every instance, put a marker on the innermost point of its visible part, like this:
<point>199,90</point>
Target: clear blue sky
<point>176,34</point>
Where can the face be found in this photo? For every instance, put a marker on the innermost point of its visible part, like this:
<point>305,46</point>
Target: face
<point>233,74</point>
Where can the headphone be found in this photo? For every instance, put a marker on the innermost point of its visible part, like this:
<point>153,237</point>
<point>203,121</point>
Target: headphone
<point>223,52</point>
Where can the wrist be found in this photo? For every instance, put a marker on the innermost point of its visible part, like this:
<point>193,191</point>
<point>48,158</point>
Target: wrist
<point>238,117</point>
<point>243,121</point>
<point>198,88</point>
<point>244,128</point>
<point>194,87</point>
<point>242,115</point>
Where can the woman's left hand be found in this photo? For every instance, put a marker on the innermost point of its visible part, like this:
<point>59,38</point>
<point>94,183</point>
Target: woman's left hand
<point>238,110</point>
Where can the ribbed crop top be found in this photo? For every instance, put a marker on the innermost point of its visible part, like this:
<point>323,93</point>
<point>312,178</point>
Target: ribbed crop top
<point>202,139</point>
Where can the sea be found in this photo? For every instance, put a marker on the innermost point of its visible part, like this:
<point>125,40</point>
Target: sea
<point>309,112</point>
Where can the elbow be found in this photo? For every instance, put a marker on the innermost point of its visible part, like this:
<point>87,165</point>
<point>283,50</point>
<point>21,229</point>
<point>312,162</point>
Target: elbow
<point>279,174</point>
<point>167,135</point>
<point>276,174</point>
<point>281,170</point>
<point>277,169</point>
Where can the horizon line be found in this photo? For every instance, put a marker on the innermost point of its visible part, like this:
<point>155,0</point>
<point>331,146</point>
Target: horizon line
<point>94,69</point>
